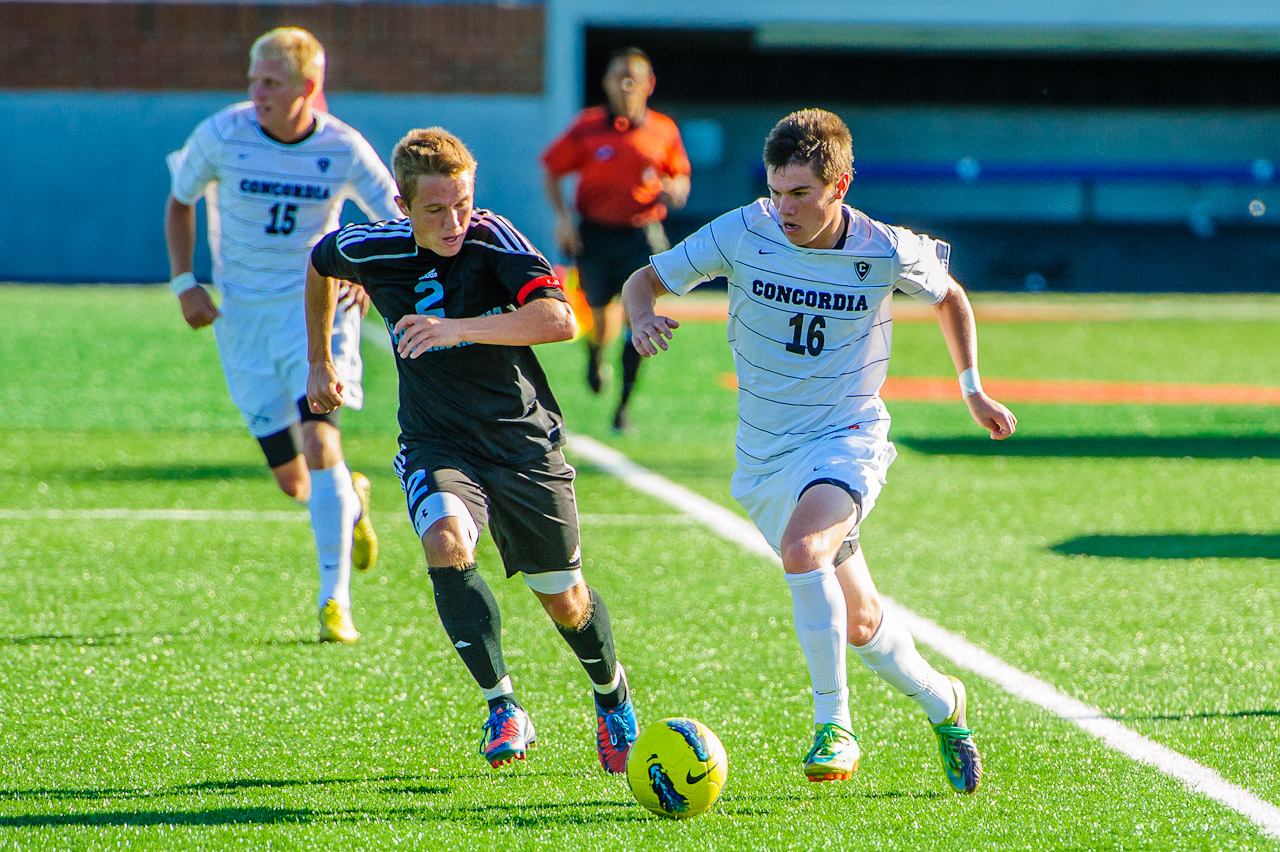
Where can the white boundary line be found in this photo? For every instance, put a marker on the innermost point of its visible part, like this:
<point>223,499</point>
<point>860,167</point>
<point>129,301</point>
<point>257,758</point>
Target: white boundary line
<point>734,528</point>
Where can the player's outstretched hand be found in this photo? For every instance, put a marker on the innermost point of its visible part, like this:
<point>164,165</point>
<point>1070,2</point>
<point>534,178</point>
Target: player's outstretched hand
<point>416,333</point>
<point>652,333</point>
<point>352,295</point>
<point>324,388</point>
<point>992,416</point>
<point>198,308</point>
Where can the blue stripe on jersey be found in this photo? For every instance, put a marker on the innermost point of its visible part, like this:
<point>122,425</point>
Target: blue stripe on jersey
<point>394,231</point>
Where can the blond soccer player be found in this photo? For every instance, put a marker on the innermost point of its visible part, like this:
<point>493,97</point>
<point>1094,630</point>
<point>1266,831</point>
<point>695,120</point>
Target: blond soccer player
<point>274,172</point>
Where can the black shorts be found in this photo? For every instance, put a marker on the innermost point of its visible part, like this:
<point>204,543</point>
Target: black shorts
<point>530,508</point>
<point>610,254</point>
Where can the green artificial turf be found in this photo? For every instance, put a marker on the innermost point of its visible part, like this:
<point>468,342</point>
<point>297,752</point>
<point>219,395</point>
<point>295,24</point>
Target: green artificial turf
<point>163,689</point>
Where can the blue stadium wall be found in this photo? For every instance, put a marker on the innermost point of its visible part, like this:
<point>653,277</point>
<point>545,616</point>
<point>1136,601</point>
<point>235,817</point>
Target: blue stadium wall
<point>84,184</point>
<point>1063,197</point>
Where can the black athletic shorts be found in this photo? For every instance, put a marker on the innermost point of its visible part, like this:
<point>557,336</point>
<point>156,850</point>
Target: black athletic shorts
<point>530,508</point>
<point>610,254</point>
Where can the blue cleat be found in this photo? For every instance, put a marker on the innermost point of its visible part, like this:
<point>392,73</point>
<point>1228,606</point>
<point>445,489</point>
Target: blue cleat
<point>508,734</point>
<point>616,730</point>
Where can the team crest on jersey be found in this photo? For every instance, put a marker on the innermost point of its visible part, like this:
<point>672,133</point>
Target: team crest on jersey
<point>604,152</point>
<point>862,268</point>
<point>323,164</point>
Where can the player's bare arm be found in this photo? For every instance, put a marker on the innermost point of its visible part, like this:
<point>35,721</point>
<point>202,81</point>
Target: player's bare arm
<point>539,321</point>
<point>568,238</point>
<point>955,316</point>
<point>649,331</point>
<point>197,305</point>
<point>324,387</point>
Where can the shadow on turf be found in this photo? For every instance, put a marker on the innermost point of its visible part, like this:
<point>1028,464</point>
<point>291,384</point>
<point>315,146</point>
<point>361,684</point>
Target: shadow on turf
<point>1186,717</point>
<point>71,638</point>
<point>1173,546</point>
<point>165,473</point>
<point>217,816</point>
<point>120,637</point>
<point>230,786</point>
<point>523,815</point>
<point>1104,446</point>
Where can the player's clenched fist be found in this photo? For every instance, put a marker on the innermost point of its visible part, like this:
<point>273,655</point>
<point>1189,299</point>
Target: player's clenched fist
<point>197,307</point>
<point>324,388</point>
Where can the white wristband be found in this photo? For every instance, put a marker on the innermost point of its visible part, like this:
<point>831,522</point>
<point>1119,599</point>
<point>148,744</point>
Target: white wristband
<point>970,383</point>
<point>183,283</point>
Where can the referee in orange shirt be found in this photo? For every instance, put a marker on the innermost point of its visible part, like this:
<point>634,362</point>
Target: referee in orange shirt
<point>631,167</point>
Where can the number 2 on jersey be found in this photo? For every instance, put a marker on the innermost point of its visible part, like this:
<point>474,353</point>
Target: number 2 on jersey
<point>813,341</point>
<point>283,222</point>
<point>432,303</point>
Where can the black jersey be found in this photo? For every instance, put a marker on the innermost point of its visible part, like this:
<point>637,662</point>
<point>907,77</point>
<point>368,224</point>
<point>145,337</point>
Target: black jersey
<point>487,400</point>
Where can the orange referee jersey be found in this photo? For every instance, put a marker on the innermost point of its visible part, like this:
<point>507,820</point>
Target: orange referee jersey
<point>620,165</point>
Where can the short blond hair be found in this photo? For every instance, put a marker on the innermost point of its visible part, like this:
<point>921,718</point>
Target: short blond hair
<point>428,151</point>
<point>302,53</point>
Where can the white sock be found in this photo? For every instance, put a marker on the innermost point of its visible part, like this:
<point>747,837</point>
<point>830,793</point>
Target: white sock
<point>502,688</point>
<point>612,686</point>
<point>334,506</point>
<point>819,609</point>
<point>892,654</point>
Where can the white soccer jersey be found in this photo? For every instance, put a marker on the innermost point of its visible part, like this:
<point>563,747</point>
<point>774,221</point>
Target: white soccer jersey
<point>810,329</point>
<point>269,202</point>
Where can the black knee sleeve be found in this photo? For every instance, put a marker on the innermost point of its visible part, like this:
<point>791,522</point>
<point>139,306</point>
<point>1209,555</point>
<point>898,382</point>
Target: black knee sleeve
<point>333,418</point>
<point>282,447</point>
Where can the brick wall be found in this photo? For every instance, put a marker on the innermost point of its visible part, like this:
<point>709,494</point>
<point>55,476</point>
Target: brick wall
<point>472,47</point>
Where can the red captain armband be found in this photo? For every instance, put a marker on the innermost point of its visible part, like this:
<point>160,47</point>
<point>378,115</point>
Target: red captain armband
<point>537,283</point>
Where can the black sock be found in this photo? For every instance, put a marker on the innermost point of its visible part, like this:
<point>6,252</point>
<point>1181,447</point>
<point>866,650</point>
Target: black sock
<point>592,643</point>
<point>471,619</point>
<point>630,368</point>
<point>503,699</point>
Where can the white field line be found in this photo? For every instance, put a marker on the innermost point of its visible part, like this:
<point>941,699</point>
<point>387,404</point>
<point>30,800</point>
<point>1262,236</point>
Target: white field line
<point>298,515</point>
<point>734,528</point>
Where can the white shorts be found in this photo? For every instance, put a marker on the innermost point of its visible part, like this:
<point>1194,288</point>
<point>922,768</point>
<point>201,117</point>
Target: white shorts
<point>860,462</point>
<point>263,347</point>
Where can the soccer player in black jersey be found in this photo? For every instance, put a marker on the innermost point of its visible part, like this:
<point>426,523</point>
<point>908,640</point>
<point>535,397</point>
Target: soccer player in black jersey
<point>465,296</point>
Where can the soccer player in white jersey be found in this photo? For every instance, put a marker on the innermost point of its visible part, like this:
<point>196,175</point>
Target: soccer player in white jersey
<point>274,172</point>
<point>810,312</point>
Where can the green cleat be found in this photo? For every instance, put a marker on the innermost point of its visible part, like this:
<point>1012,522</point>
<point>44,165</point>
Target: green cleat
<point>364,541</point>
<point>834,756</point>
<point>960,756</point>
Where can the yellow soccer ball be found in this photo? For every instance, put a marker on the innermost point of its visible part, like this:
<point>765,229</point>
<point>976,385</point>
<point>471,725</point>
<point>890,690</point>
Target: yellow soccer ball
<point>677,768</point>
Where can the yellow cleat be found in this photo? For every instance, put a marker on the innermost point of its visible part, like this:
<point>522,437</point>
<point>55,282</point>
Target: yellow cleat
<point>336,624</point>
<point>364,541</point>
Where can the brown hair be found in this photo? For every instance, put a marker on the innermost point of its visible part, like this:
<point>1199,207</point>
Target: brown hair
<point>812,137</point>
<point>429,151</point>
